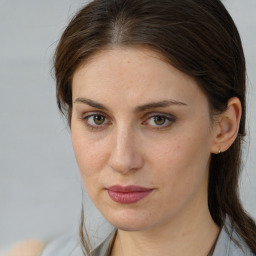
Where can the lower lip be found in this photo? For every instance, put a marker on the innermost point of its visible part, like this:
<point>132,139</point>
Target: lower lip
<point>128,197</point>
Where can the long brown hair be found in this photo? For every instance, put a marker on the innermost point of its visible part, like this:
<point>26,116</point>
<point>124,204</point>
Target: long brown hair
<point>199,38</point>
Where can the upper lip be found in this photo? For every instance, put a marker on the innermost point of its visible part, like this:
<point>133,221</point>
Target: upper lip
<point>130,188</point>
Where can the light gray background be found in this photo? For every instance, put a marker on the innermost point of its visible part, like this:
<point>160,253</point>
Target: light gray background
<point>40,188</point>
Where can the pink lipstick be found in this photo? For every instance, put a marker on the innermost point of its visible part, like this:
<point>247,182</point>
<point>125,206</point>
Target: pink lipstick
<point>129,194</point>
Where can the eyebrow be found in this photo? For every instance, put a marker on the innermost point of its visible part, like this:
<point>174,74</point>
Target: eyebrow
<point>91,103</point>
<point>160,104</point>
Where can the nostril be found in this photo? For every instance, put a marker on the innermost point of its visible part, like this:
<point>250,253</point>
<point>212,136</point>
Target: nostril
<point>120,165</point>
<point>126,162</point>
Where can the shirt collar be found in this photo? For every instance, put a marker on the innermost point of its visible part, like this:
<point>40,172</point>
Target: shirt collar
<point>225,245</point>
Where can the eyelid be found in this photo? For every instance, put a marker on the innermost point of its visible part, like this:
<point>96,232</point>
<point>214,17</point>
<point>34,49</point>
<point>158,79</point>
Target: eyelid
<point>92,113</point>
<point>171,118</point>
<point>152,114</point>
<point>87,115</point>
<point>146,117</point>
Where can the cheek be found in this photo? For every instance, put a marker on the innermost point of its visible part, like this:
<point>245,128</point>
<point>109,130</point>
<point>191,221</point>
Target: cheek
<point>181,171</point>
<point>91,154</point>
<point>181,160</point>
<point>91,158</point>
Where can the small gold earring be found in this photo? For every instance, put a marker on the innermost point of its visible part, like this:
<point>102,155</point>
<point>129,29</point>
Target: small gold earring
<point>219,150</point>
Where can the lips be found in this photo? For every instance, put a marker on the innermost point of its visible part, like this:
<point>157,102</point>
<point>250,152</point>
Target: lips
<point>129,194</point>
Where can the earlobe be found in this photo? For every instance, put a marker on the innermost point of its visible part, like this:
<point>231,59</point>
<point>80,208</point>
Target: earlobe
<point>227,126</point>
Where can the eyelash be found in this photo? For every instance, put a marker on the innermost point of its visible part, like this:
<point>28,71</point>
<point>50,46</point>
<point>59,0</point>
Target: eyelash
<point>167,118</point>
<point>94,114</point>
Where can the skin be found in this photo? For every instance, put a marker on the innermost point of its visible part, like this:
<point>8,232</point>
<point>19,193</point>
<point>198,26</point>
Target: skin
<point>28,248</point>
<point>127,147</point>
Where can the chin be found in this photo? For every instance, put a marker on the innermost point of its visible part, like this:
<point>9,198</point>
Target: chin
<point>129,221</point>
<point>131,226</point>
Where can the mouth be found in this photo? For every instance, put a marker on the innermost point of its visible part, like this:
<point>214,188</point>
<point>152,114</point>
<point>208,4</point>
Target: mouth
<point>128,194</point>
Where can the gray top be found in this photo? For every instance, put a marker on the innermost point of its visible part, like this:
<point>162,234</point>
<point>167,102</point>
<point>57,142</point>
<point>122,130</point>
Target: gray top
<point>225,246</point>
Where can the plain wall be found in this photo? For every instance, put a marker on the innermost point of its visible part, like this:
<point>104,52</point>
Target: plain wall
<point>40,187</point>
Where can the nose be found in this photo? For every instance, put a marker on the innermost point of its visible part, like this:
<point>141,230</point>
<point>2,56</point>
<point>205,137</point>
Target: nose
<point>125,154</point>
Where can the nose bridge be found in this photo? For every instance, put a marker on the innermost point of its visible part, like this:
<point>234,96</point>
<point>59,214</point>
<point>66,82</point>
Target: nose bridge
<point>125,155</point>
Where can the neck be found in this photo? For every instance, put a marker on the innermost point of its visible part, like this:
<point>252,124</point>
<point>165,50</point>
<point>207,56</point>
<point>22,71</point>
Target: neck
<point>190,234</point>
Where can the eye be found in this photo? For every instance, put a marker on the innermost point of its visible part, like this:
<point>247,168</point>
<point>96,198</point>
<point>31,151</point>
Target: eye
<point>160,120</point>
<point>95,120</point>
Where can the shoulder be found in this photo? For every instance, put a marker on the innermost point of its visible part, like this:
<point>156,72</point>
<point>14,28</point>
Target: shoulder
<point>226,244</point>
<point>104,248</point>
<point>65,245</point>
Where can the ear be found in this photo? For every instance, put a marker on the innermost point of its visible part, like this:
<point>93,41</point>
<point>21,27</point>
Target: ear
<point>227,125</point>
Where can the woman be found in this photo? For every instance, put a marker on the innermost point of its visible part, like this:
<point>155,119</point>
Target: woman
<point>154,92</point>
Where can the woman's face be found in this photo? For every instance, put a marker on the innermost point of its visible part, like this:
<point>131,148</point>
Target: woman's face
<point>142,137</point>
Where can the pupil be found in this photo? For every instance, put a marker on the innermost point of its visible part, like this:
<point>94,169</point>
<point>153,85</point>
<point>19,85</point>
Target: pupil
<point>159,120</point>
<point>99,119</point>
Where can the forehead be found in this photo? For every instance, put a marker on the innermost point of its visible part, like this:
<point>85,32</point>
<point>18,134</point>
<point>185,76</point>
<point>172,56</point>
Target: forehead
<point>133,73</point>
